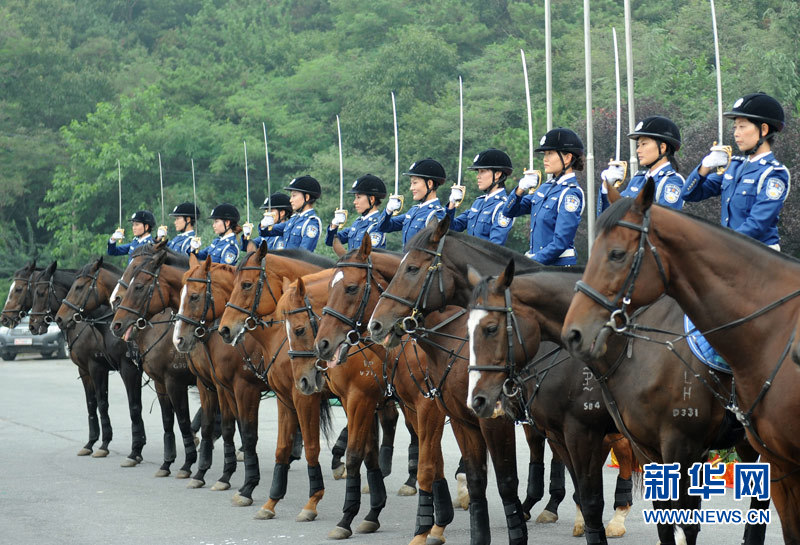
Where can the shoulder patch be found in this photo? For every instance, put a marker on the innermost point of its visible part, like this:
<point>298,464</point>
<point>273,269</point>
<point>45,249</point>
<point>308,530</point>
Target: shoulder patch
<point>312,230</point>
<point>229,257</point>
<point>375,238</point>
<point>503,220</point>
<point>572,203</point>
<point>775,189</point>
<point>672,193</point>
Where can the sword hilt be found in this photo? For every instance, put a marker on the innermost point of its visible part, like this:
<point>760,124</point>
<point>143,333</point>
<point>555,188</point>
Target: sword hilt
<point>402,199</point>
<point>624,165</point>
<point>726,149</point>
<point>463,190</point>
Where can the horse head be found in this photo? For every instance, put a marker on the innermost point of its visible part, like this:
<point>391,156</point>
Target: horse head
<point>20,296</point>
<point>44,300</point>
<point>147,295</point>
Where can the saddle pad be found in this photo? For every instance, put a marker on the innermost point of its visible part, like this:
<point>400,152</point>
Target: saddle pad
<point>702,350</point>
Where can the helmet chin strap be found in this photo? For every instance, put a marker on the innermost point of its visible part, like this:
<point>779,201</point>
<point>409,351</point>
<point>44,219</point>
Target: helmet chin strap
<point>660,156</point>
<point>564,167</point>
<point>761,140</point>
<point>496,182</point>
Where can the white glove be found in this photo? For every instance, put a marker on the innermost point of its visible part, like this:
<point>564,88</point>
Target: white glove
<point>604,187</point>
<point>118,235</point>
<point>338,219</point>
<point>614,173</point>
<point>456,195</point>
<point>162,232</point>
<point>529,181</point>
<point>267,221</point>
<point>194,243</point>
<point>715,158</point>
<point>393,205</point>
<point>247,229</point>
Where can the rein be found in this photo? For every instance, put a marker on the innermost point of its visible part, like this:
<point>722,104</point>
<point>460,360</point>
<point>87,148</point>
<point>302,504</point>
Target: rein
<point>141,314</point>
<point>253,320</point>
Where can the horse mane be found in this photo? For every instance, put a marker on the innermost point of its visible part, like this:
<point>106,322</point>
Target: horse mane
<point>174,259</point>
<point>499,254</point>
<point>110,267</point>
<point>384,251</point>
<point>295,253</point>
<point>614,214</point>
<point>481,290</point>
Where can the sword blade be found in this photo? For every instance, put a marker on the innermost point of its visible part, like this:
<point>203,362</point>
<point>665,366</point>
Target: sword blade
<point>461,126</point>
<point>161,182</point>
<point>528,102</point>
<point>548,62</point>
<point>341,165</point>
<point>633,161</point>
<point>719,73</point>
<point>119,191</point>
<point>619,97</point>
<point>194,194</point>
<point>266,153</point>
<point>396,148</point>
<point>247,183</point>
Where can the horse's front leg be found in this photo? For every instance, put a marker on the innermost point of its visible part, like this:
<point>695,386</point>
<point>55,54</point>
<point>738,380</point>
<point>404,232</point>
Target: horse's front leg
<point>168,422</point>
<point>500,438</point>
<point>473,453</point>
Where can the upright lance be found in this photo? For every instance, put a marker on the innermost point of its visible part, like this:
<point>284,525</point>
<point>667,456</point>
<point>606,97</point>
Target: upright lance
<point>616,160</point>
<point>341,211</point>
<point>397,194</point>
<point>162,229</point>
<point>718,146</point>
<point>633,160</point>
<point>458,186</point>
<point>530,172</point>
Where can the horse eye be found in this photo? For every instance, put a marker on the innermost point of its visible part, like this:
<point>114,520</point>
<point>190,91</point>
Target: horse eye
<point>616,255</point>
<point>350,290</point>
<point>194,296</point>
<point>247,285</point>
<point>490,329</point>
<point>412,269</point>
<point>299,331</point>
<point>138,287</point>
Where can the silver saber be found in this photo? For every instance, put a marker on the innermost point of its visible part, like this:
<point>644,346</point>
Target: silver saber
<point>161,183</point>
<point>530,117</point>
<point>719,73</point>
<point>461,126</point>
<point>633,160</point>
<point>590,196</point>
<point>396,158</point>
<point>194,194</point>
<point>119,192</point>
<point>246,182</point>
<point>617,150</point>
<point>548,62</point>
<point>341,165</point>
<point>266,153</point>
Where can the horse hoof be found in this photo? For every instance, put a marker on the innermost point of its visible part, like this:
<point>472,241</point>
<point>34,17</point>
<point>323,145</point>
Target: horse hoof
<point>436,537</point>
<point>84,451</point>
<point>546,517</point>
<point>264,514</point>
<point>578,530</point>
<point>338,472</point>
<point>220,485</point>
<point>368,527</point>
<point>239,456</point>
<point>462,492</point>
<point>195,483</point>
<point>196,441</point>
<point>183,474</point>
<point>365,489</point>
<point>406,490</point>
<point>339,533</point>
<point>616,526</point>
<point>241,501</point>
<point>100,453</point>
<point>131,462</point>
<point>306,515</point>
<point>162,473</point>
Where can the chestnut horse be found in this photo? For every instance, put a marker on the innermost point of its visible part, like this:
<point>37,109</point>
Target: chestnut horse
<point>664,408</point>
<point>20,296</point>
<point>717,277</point>
<point>96,352</point>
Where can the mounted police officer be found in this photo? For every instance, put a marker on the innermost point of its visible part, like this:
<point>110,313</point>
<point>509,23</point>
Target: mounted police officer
<point>657,140</point>
<point>185,215</point>
<point>485,218</point>
<point>142,224</point>
<point>753,185</point>
<point>303,228</point>
<point>226,225</point>
<point>281,211</point>
<point>368,190</point>
<point>556,206</point>
<point>426,175</point>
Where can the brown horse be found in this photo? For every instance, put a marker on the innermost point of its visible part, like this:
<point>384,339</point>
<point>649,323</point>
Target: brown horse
<point>643,251</point>
<point>20,296</point>
<point>665,408</point>
<point>171,377</point>
<point>96,352</point>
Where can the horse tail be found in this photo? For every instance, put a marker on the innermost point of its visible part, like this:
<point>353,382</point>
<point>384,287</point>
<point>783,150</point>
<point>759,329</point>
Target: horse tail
<point>325,418</point>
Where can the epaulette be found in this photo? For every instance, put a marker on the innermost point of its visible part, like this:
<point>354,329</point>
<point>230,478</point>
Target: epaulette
<point>738,158</point>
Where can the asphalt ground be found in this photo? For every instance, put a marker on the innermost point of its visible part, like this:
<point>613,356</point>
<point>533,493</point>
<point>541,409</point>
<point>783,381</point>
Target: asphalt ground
<point>50,495</point>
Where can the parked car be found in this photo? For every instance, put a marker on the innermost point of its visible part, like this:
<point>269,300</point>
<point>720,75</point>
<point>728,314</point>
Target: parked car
<point>20,340</point>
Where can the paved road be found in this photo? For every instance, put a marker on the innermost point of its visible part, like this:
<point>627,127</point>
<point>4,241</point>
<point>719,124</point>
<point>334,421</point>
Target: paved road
<point>47,493</point>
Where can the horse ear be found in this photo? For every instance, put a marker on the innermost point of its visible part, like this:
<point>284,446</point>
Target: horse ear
<point>473,276</point>
<point>613,193</point>
<point>159,258</point>
<point>262,250</point>
<point>441,229</point>
<point>301,287</point>
<point>338,247</point>
<point>251,246</point>
<point>52,268</point>
<point>193,261</point>
<point>505,278</point>
<point>644,200</point>
<point>160,245</point>
<point>32,265</point>
<point>97,264</point>
<point>207,263</point>
<point>366,247</point>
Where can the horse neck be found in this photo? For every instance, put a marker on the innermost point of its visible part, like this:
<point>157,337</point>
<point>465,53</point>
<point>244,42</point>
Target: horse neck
<point>439,359</point>
<point>290,268</point>
<point>108,281</point>
<point>62,282</point>
<point>544,298</point>
<point>172,277</point>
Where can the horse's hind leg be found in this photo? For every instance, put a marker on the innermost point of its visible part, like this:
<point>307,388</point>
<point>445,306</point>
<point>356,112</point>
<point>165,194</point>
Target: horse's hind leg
<point>287,427</point>
<point>228,428</point>
<point>338,450</point>
<point>91,409</point>
<point>132,378</point>
<point>409,488</point>
<point>623,494</point>
<point>473,452</point>
<point>247,402</point>
<point>434,506</point>
<point>314,415</point>
<point>168,422</point>
<point>99,377</point>
<point>209,406</point>
<point>535,489</point>
<point>388,416</point>
<point>556,490</point>
<point>179,397</point>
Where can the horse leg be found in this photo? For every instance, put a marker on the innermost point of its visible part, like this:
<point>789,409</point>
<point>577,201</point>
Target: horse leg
<point>209,406</point>
<point>409,487</point>
<point>388,416</point>
<point>287,427</point>
<point>338,451</point>
<point>247,402</point>
<point>586,454</point>
<point>434,507</point>
<point>501,441</point>
<point>786,495</point>
<point>227,419</point>
<point>91,409</point>
<point>314,413</point>
<point>473,452</point>
<point>297,446</point>
<point>168,422</point>
<point>179,397</point>
<point>754,534</point>
<point>556,490</point>
<point>132,378</point>
<point>623,494</point>
<point>99,377</point>
<point>535,490</point>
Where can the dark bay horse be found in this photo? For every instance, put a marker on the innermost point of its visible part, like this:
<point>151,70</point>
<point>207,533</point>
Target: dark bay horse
<point>669,414</point>
<point>358,381</point>
<point>740,293</point>
<point>20,296</point>
<point>90,291</point>
<point>96,352</point>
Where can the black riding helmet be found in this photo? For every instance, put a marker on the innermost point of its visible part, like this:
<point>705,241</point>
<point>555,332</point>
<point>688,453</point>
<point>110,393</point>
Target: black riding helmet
<point>496,161</point>
<point>305,184</point>
<point>186,210</point>
<point>759,108</point>
<point>369,184</point>
<point>563,141</point>
<point>279,201</point>
<point>662,129</point>
<point>225,211</point>
<point>429,169</point>
<point>146,217</point>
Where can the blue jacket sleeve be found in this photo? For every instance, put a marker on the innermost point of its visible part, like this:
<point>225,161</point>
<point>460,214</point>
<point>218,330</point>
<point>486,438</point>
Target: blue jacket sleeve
<point>517,206</point>
<point>343,238</point>
<point>114,249</point>
<point>276,231</point>
<point>203,252</point>
<point>310,242</point>
<point>602,201</point>
<point>499,234</point>
<point>457,223</point>
<point>765,210</point>
<point>669,188</point>
<point>699,187</point>
<point>564,232</point>
<point>389,223</point>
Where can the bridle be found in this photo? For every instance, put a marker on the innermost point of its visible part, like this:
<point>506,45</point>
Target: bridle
<point>353,336</point>
<point>253,320</point>
<point>411,323</point>
<point>142,321</point>
<point>313,319</point>
<point>22,311</point>
<point>200,328</point>
<point>51,293</point>
<point>625,293</point>
<point>78,316</point>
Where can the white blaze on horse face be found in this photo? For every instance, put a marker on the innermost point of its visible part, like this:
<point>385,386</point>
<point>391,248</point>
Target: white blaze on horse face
<point>113,294</point>
<point>337,277</point>
<point>475,316</point>
<point>288,333</point>
<point>10,289</point>
<point>176,331</point>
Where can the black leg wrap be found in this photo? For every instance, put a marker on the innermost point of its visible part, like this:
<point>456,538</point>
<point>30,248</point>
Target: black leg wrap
<point>377,489</point>
<point>442,502</point>
<point>479,531</point>
<point>297,447</point>
<point>352,495</point>
<point>576,497</point>
<point>754,534</point>
<point>595,536</point>
<point>385,459</point>
<point>197,421</point>
<point>280,475</point>
<point>623,495</point>
<point>535,490</point>
<point>557,490</point>
<point>204,460</point>
<point>339,448</point>
<point>515,520</point>
<point>94,429</point>
<point>315,482</point>
<point>413,460</point>
<point>170,452</point>
<point>229,457</point>
<point>460,468</point>
<point>424,513</point>
<point>252,474</point>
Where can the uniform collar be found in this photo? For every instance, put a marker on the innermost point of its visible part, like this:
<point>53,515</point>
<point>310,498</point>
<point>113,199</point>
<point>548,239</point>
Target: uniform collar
<point>757,158</point>
<point>189,233</point>
<point>374,212</point>
<point>566,178</point>
<point>229,235</point>
<point>651,174</point>
<point>429,202</point>
<point>144,238</point>
<point>495,193</point>
<point>309,212</point>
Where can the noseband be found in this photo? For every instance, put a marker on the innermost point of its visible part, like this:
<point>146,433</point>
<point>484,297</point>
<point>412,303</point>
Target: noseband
<point>51,293</point>
<point>313,319</point>
<point>353,336</point>
<point>21,311</point>
<point>253,320</point>
<point>200,329</point>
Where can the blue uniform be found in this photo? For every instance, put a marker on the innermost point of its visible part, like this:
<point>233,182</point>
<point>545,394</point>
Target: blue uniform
<point>753,192</point>
<point>299,231</point>
<point>222,250</point>
<point>123,249</point>
<point>555,210</point>
<point>485,218</point>
<point>273,243</point>
<point>353,235</point>
<point>669,188</point>
<point>181,242</point>
<point>413,221</point>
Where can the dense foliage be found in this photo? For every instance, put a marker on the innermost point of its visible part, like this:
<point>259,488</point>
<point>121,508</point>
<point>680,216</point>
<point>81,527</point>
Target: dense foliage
<point>86,83</point>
